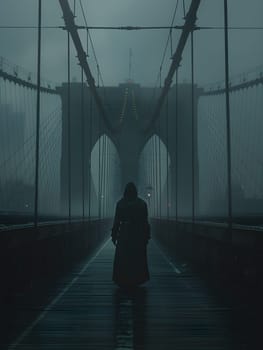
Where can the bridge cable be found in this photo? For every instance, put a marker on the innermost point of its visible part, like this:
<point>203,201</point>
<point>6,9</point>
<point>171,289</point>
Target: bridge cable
<point>184,10</point>
<point>69,126</point>
<point>10,71</point>
<point>74,8</point>
<point>99,177</point>
<point>190,21</point>
<point>105,177</point>
<point>25,160</point>
<point>167,42</point>
<point>102,175</point>
<point>82,57</point>
<point>228,122</point>
<point>91,42</point>
<point>36,199</point>
<point>193,127</point>
<point>20,147</point>
<point>177,144</point>
<point>151,174</point>
<point>108,185</point>
<point>90,146</point>
<point>160,171</point>
<point>156,175</point>
<point>47,149</point>
<point>134,28</point>
<point>154,178</point>
<point>83,144</point>
<point>167,154</point>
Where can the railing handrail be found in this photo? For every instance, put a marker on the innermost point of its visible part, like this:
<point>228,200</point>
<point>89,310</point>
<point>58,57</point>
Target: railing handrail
<point>242,227</point>
<point>16,227</point>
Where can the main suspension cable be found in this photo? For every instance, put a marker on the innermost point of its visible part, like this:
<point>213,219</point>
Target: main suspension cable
<point>133,28</point>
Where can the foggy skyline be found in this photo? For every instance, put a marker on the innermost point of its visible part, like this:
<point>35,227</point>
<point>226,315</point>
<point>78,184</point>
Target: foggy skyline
<point>112,47</point>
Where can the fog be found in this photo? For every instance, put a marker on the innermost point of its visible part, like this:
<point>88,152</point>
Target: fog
<point>106,155</point>
<point>112,47</point>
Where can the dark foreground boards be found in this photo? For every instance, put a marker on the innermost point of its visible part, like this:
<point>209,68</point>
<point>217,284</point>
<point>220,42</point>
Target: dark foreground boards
<point>175,310</point>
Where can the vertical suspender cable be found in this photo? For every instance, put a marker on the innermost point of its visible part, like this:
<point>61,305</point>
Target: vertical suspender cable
<point>156,175</point>
<point>171,41</point>
<point>177,143</point>
<point>98,76</point>
<point>105,178</point>
<point>69,133</point>
<point>228,126</point>
<point>102,175</point>
<point>107,185</point>
<point>74,8</point>
<point>153,179</point>
<point>152,171</point>
<point>99,177</point>
<point>108,179</point>
<point>82,144</point>
<point>38,114</point>
<point>167,154</point>
<point>90,145</point>
<point>87,42</point>
<point>16,132</point>
<point>184,9</point>
<point>149,167</point>
<point>193,127</point>
<point>160,171</point>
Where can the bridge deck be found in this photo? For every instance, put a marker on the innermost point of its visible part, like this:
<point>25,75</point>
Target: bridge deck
<point>175,310</point>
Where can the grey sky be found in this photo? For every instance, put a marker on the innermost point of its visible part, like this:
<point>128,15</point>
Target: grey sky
<point>112,48</point>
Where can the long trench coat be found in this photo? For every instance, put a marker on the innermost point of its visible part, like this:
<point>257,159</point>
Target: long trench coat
<point>130,233</point>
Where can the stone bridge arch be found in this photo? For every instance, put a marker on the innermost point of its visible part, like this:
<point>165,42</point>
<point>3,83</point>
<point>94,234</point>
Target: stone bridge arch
<point>131,137</point>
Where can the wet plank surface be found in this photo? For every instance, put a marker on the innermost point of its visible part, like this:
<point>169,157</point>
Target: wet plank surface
<point>175,310</point>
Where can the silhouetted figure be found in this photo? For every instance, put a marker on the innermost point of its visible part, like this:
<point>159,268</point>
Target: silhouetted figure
<point>130,234</point>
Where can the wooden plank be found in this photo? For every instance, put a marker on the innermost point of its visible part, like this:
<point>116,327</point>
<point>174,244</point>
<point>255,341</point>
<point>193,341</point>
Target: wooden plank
<point>175,310</point>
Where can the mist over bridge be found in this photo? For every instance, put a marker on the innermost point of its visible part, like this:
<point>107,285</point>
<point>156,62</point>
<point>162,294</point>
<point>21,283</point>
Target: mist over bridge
<point>194,152</point>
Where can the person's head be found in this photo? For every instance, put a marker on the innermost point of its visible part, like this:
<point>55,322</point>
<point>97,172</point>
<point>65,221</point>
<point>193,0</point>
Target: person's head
<point>130,191</point>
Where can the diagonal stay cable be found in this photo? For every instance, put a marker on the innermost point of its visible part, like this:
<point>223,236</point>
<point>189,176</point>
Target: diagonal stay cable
<point>189,26</point>
<point>72,28</point>
<point>91,42</point>
<point>158,78</point>
<point>30,138</point>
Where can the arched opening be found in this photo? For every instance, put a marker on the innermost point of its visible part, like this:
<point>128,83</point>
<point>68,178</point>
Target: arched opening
<point>106,176</point>
<point>154,179</point>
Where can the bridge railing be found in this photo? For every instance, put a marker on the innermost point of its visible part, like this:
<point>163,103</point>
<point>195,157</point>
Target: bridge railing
<point>29,254</point>
<point>234,257</point>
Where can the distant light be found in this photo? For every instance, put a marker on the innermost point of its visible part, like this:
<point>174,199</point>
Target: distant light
<point>27,205</point>
<point>148,194</point>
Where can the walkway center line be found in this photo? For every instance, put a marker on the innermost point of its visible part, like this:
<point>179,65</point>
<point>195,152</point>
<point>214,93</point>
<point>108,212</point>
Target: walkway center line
<point>169,262</point>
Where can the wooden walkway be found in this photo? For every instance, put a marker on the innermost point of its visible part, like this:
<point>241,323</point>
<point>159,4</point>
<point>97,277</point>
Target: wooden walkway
<point>175,310</point>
